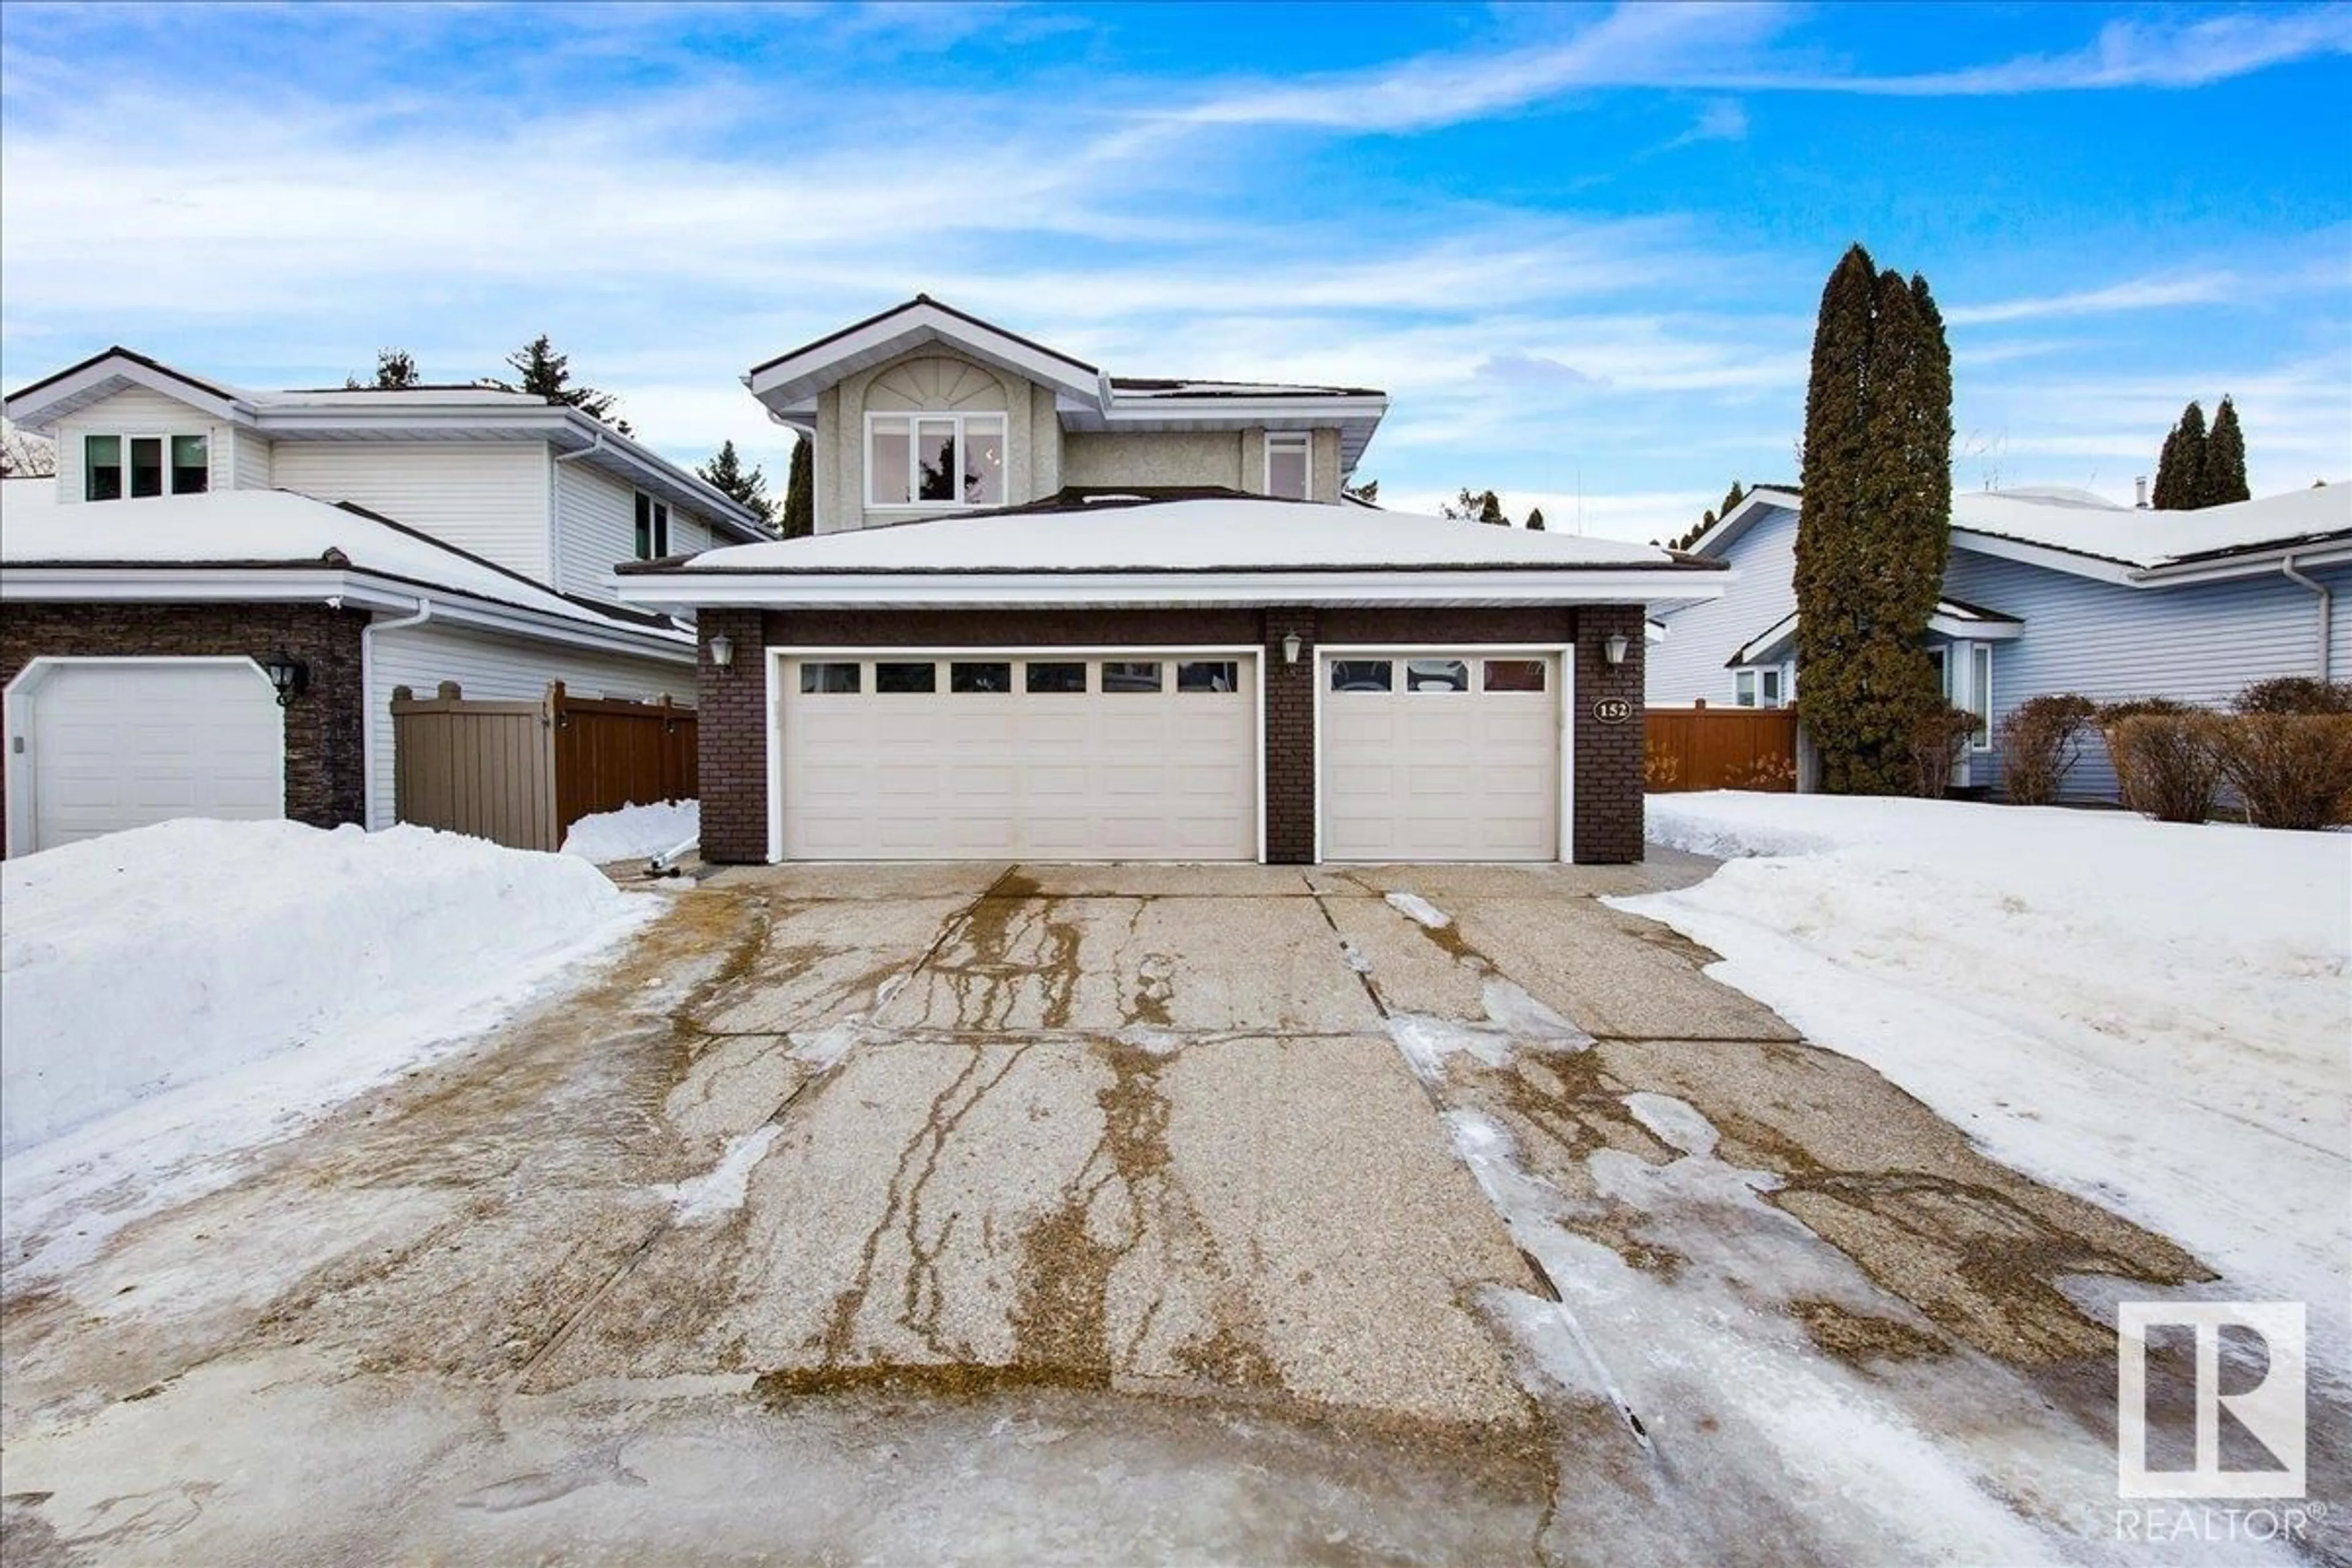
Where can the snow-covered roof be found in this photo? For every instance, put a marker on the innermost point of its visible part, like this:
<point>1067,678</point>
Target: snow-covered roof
<point>1115,550</point>
<point>1950,618</point>
<point>1225,534</point>
<point>2079,523</point>
<point>262,530</point>
<point>1165,386</point>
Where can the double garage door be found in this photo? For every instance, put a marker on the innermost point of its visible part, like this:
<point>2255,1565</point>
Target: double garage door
<point>1153,755</point>
<point>107,744</point>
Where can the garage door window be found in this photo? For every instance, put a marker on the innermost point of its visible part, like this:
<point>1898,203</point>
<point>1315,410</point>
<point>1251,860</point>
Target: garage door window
<point>1437,675</point>
<point>1514,675</point>
<point>906,678</point>
<point>840,678</point>
<point>1208,675</point>
<point>980,676</point>
<point>1131,676</point>
<point>1055,677</point>
<point>1361,674</point>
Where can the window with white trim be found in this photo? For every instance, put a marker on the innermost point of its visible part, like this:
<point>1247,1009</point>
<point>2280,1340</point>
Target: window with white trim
<point>1758,685</point>
<point>1288,466</point>
<point>934,459</point>
<point>653,528</point>
<point>1980,695</point>
<point>114,466</point>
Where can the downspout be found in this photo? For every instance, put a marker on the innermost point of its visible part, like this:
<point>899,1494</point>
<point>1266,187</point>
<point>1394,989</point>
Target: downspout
<point>367,693</point>
<point>555,510</point>
<point>2326,609</point>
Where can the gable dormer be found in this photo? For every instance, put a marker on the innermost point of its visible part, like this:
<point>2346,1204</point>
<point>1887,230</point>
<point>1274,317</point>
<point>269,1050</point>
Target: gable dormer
<point>924,411</point>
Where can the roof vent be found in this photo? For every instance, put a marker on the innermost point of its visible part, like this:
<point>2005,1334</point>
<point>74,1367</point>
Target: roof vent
<point>2139,487</point>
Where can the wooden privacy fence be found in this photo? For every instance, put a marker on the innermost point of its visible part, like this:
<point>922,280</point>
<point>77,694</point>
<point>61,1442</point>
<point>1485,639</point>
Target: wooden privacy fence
<point>1720,748</point>
<point>520,774</point>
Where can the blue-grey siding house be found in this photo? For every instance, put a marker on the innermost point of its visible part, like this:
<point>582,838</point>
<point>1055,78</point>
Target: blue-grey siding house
<point>2050,590</point>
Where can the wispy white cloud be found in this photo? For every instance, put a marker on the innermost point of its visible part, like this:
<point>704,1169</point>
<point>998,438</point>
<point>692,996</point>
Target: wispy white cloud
<point>2135,294</point>
<point>1723,120</point>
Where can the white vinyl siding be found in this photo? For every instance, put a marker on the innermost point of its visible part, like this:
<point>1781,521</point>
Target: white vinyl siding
<point>500,668</point>
<point>596,520</point>
<point>249,461</point>
<point>487,497</point>
<point>137,412</point>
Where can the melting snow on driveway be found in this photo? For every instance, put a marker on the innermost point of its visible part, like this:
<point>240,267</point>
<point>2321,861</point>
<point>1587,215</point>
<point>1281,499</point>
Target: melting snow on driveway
<point>2147,1015</point>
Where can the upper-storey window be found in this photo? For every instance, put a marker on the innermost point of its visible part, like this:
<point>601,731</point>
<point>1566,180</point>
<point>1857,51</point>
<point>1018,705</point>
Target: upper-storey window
<point>653,528</point>
<point>934,459</point>
<point>153,463</point>
<point>1287,466</point>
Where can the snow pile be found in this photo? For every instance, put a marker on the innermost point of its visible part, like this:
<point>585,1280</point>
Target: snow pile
<point>2150,1016</point>
<point>302,963</point>
<point>635,832</point>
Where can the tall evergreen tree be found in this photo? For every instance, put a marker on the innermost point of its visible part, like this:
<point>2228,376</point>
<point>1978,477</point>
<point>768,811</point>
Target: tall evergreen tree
<point>1731,498</point>
<point>2180,470</point>
<point>395,371</point>
<point>728,475</point>
<point>547,374</point>
<point>800,491</point>
<point>1476,505</point>
<point>2223,479</point>
<point>1875,525</point>
<point>1535,519</point>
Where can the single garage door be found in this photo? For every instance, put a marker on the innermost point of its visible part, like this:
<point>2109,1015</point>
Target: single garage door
<point>119,744</point>
<point>1440,756</point>
<point>1130,756</point>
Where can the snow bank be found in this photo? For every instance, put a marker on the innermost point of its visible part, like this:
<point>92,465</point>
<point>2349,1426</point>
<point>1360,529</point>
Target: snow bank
<point>635,832</point>
<point>306,964</point>
<point>2151,1015</point>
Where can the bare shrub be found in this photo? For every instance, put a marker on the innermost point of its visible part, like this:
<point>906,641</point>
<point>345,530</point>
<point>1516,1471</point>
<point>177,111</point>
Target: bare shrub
<point>2296,694</point>
<point>2167,757</point>
<point>2041,741</point>
<point>2291,769</point>
<point>1936,740</point>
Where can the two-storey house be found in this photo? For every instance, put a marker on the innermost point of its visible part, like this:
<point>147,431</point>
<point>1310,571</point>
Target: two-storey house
<point>200,538</point>
<point>1052,613</point>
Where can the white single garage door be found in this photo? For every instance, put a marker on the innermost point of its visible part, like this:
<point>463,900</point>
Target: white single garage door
<point>118,744</point>
<point>1440,756</point>
<point>1068,756</point>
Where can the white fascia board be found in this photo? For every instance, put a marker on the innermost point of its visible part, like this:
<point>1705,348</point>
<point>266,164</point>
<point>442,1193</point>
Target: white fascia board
<point>1735,523</point>
<point>2254,563</point>
<point>1299,413</point>
<point>1963,630</point>
<point>788,381</point>
<point>2000,546</point>
<point>39,410</point>
<point>356,590</point>
<point>907,590</point>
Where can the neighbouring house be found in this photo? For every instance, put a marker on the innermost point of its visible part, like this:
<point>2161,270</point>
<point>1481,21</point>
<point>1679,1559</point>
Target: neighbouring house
<point>2049,590</point>
<point>198,534</point>
<point>1051,613</point>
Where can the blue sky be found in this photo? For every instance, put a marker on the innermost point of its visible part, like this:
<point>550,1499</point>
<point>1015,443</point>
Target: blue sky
<point>1580,246</point>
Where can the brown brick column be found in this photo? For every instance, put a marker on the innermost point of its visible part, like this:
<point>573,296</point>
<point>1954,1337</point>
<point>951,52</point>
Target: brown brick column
<point>732,739</point>
<point>1608,757</point>
<point>1290,739</point>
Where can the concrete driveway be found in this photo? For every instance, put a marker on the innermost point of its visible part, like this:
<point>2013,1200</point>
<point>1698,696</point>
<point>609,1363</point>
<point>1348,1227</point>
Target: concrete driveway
<point>1084,1214</point>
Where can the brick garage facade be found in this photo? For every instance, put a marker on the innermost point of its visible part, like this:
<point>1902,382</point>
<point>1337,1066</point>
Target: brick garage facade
<point>1607,788</point>
<point>326,780</point>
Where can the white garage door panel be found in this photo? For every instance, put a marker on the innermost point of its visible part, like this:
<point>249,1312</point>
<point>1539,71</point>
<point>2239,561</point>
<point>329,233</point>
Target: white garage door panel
<point>121,745</point>
<point>1011,774</point>
<point>1439,774</point>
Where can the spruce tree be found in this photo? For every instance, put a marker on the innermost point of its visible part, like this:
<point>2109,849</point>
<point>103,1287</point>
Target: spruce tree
<point>1535,521</point>
<point>2223,479</point>
<point>395,371</point>
<point>800,491</point>
<point>1490,510</point>
<point>1731,498</point>
<point>547,374</point>
<point>2181,471</point>
<point>728,475</point>
<point>1874,528</point>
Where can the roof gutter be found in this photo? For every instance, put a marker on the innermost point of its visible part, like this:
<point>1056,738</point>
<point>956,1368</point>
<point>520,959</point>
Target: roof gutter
<point>369,792</point>
<point>2326,612</point>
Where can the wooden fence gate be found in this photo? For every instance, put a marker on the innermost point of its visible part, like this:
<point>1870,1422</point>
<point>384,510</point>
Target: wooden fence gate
<point>520,774</point>
<point>1719,748</point>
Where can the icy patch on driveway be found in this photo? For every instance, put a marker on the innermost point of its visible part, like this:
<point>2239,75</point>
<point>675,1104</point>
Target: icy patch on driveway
<point>1675,1122</point>
<point>1515,1021</point>
<point>721,1191</point>
<point>1413,907</point>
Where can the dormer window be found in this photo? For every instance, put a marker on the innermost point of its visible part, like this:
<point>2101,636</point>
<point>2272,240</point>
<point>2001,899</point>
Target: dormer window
<point>925,460</point>
<point>1287,466</point>
<point>653,528</point>
<point>141,466</point>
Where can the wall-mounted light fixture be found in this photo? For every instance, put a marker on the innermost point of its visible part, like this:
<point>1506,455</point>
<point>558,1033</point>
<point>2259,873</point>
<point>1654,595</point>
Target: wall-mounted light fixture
<point>289,675</point>
<point>1613,648</point>
<point>1291,643</point>
<point>723,650</point>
